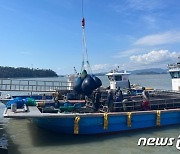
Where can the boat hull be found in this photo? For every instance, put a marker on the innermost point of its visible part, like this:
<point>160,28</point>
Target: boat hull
<point>95,123</point>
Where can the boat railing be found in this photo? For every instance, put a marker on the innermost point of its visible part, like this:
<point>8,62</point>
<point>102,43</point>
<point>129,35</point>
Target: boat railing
<point>156,104</point>
<point>174,66</point>
<point>32,85</point>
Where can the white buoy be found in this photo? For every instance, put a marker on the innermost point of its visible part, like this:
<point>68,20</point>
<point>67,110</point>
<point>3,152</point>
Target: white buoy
<point>14,107</point>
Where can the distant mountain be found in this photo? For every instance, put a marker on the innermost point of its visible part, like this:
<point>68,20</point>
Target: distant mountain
<point>140,72</point>
<point>21,72</point>
<point>150,71</point>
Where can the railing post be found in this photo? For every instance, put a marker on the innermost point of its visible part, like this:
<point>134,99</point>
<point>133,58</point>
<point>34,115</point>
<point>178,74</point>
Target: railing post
<point>44,85</point>
<point>59,85</point>
<point>36,85</point>
<point>28,84</point>
<point>10,84</point>
<point>53,87</point>
<point>5,86</point>
<point>19,85</point>
<point>1,84</point>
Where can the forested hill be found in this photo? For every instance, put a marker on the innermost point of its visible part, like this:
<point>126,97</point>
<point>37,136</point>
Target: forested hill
<point>20,72</point>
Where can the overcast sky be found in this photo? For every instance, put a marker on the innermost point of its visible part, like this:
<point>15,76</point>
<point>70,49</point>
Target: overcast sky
<point>132,34</point>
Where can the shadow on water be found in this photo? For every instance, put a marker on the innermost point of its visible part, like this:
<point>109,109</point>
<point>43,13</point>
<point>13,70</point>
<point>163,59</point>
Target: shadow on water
<point>3,140</point>
<point>41,137</point>
<point>7,146</point>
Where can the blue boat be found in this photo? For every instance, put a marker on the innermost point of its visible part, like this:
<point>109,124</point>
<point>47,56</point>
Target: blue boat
<point>76,117</point>
<point>97,123</point>
<point>108,122</point>
<point>79,117</point>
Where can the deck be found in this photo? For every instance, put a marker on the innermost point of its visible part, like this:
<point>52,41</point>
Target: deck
<point>83,122</point>
<point>34,112</point>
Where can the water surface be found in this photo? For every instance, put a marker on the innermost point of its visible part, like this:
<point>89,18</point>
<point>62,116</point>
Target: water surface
<point>25,138</point>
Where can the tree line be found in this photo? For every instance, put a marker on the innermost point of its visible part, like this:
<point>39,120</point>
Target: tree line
<point>11,72</point>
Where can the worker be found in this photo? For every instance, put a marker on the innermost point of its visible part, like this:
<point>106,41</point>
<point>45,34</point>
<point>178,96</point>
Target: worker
<point>44,97</point>
<point>110,100</point>
<point>119,95</point>
<point>97,97</point>
<point>145,99</point>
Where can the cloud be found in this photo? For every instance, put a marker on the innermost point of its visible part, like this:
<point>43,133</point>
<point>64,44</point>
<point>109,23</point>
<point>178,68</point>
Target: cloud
<point>107,67</point>
<point>127,53</point>
<point>159,39</point>
<point>144,12</point>
<point>101,67</point>
<point>150,21</point>
<point>154,57</point>
<point>145,5</point>
<point>128,6</point>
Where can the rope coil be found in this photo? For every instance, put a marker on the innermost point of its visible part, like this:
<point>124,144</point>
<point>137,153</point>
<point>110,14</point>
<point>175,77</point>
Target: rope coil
<point>76,125</point>
<point>105,120</point>
<point>158,118</point>
<point>129,119</point>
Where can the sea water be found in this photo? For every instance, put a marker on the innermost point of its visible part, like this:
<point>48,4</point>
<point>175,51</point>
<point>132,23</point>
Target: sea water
<point>23,137</point>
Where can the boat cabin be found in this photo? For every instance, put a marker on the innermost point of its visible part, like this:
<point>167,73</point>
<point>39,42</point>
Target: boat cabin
<point>174,70</point>
<point>118,80</point>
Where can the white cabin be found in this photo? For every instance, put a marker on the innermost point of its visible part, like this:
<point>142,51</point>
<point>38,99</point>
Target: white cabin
<point>118,80</point>
<point>174,70</point>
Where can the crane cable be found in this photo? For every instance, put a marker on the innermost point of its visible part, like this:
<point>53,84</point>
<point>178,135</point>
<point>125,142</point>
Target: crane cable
<point>83,24</point>
<point>84,50</point>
